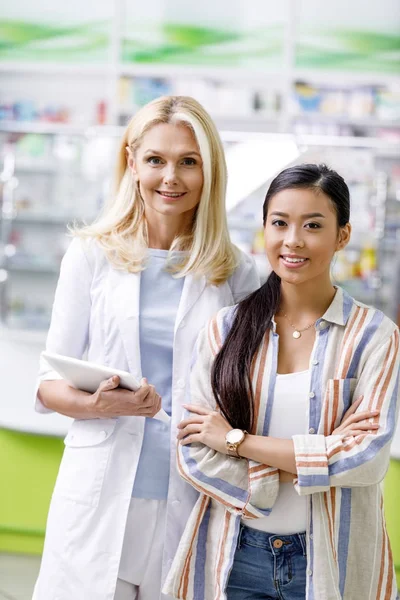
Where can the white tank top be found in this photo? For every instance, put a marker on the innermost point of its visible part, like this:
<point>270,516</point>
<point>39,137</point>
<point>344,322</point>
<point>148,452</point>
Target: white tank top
<point>289,416</point>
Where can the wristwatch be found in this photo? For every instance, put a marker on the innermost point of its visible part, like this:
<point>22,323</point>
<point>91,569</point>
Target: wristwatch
<point>233,439</point>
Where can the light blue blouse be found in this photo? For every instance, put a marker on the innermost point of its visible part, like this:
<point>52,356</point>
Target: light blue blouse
<point>160,294</point>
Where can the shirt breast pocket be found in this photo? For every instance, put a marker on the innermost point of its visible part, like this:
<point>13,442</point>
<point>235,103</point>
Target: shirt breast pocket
<point>339,395</point>
<point>83,466</point>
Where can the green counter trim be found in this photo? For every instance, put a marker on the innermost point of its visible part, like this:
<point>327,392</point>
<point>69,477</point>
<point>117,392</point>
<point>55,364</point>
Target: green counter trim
<point>14,529</point>
<point>28,470</point>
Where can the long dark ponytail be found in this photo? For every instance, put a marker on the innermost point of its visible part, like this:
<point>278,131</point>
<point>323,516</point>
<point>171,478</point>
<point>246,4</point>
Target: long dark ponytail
<point>231,372</point>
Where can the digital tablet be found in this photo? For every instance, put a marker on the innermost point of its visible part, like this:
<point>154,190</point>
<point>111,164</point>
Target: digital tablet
<point>87,376</point>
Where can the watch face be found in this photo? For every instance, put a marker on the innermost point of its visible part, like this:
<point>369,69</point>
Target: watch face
<point>234,436</point>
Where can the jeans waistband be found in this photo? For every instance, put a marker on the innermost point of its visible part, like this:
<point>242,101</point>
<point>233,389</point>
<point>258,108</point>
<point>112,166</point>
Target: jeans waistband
<point>272,541</point>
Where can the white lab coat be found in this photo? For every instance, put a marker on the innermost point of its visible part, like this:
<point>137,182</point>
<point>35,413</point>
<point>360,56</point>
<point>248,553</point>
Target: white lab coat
<point>96,309</point>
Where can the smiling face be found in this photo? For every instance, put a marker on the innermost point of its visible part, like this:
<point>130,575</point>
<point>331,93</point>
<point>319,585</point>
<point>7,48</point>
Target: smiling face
<point>168,167</point>
<point>302,235</point>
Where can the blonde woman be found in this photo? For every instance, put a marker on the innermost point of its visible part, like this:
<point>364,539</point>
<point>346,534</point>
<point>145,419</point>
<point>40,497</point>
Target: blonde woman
<point>135,288</point>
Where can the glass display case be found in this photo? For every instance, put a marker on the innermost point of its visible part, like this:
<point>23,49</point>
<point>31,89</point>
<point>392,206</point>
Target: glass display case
<point>52,178</point>
<point>49,181</point>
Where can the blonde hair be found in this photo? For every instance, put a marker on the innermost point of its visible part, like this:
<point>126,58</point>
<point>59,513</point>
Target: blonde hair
<point>121,227</point>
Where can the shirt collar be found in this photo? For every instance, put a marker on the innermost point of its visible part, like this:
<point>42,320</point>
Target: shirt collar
<point>338,311</point>
<point>340,308</point>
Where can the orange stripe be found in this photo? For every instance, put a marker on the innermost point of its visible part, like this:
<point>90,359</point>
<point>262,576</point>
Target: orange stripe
<point>351,324</point>
<point>382,394</point>
<point>260,376</point>
<point>302,454</point>
<point>333,501</point>
<point>263,467</point>
<point>183,588</point>
<point>326,408</point>
<point>389,374</point>
<point>264,475</point>
<point>330,523</point>
<point>221,556</point>
<point>390,577</point>
<point>213,330</point>
<point>350,349</point>
<point>216,334</point>
<point>378,381</point>
<point>382,569</point>
<point>257,468</point>
<point>347,332</point>
<point>336,384</point>
<point>206,492</point>
<point>322,463</point>
<point>247,513</point>
<point>201,488</point>
<point>210,342</point>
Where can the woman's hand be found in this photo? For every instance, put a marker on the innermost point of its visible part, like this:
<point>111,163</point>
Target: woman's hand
<point>205,426</point>
<point>354,423</point>
<point>108,402</point>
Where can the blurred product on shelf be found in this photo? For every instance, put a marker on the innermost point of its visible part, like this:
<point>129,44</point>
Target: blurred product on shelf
<point>101,115</point>
<point>355,102</point>
<point>222,98</point>
<point>346,110</point>
<point>29,111</point>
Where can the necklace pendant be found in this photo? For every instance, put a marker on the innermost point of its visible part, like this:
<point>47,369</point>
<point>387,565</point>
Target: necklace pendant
<point>296,334</point>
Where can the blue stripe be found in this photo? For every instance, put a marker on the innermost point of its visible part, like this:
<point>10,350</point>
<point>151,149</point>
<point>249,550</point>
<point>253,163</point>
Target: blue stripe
<point>199,570</point>
<point>346,395</point>
<point>264,511</point>
<point>344,535</point>
<point>375,445</point>
<point>347,305</point>
<point>369,332</point>
<point>314,481</point>
<point>310,558</point>
<point>215,482</point>
<point>316,380</point>
<point>271,383</point>
<point>232,552</point>
<point>227,322</point>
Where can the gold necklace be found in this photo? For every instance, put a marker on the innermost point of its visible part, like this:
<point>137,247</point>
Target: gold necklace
<point>297,332</point>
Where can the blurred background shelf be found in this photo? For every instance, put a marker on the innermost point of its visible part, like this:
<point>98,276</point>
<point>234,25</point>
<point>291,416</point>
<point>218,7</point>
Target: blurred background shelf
<point>286,82</point>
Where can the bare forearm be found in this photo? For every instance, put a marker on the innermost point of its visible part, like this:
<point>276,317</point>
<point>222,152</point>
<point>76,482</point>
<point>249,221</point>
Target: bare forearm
<point>66,400</point>
<point>274,452</point>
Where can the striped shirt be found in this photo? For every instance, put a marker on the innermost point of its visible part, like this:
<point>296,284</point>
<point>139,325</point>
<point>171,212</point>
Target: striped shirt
<point>356,353</point>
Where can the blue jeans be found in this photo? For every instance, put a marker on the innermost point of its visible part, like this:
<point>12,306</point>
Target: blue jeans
<point>268,567</point>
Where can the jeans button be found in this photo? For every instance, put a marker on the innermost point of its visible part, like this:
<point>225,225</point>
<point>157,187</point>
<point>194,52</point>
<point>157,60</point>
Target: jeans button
<point>277,543</point>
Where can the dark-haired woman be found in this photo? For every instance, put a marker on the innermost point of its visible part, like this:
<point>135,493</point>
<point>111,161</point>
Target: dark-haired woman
<point>294,397</point>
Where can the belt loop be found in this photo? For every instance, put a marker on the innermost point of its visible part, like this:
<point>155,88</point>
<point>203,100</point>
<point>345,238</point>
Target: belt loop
<point>302,538</point>
<point>239,540</point>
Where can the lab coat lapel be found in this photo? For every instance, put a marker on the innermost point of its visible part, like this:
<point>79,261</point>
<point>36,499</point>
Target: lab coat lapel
<point>126,297</point>
<point>193,287</point>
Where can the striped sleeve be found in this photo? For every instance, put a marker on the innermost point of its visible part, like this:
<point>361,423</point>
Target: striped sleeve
<point>221,477</point>
<point>328,461</point>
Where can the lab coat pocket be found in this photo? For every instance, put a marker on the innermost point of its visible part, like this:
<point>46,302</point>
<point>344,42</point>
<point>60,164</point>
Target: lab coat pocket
<point>338,398</point>
<point>87,449</point>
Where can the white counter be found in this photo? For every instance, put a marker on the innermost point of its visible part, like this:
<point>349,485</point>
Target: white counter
<point>19,352</point>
